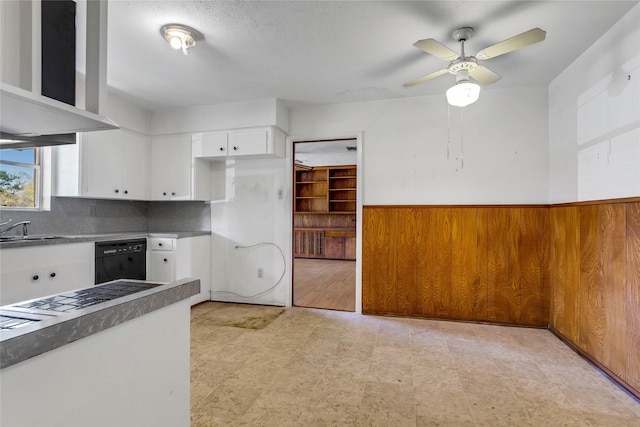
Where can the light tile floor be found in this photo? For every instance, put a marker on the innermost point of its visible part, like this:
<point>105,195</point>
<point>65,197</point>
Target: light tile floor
<point>328,368</point>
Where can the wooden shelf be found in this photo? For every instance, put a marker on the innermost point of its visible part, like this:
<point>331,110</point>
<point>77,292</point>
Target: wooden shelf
<point>327,189</point>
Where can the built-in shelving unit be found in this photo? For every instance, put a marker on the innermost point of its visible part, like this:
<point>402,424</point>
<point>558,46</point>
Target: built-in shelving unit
<point>326,190</point>
<point>342,190</point>
<point>325,208</point>
<point>311,190</point>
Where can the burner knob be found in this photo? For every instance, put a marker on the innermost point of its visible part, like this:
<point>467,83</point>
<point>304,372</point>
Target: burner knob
<point>35,277</point>
<point>53,274</point>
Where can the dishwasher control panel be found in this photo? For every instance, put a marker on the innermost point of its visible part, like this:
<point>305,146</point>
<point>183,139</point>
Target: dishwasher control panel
<point>120,247</point>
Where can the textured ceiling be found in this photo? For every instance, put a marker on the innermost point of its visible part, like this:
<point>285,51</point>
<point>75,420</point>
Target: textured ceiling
<point>319,52</point>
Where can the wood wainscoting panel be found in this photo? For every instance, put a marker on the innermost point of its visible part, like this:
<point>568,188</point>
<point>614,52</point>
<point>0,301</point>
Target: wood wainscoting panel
<point>466,274</point>
<point>595,284</point>
<point>462,263</point>
<point>564,270</point>
<point>378,271</point>
<point>614,273</point>
<point>574,267</point>
<point>426,250</point>
<point>443,263</point>
<point>530,228</point>
<point>632,321</point>
<point>403,222</point>
<point>592,316</point>
<point>498,223</point>
<point>482,290</point>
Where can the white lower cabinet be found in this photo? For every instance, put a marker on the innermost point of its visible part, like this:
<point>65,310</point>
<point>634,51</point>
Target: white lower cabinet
<point>173,259</point>
<point>37,271</point>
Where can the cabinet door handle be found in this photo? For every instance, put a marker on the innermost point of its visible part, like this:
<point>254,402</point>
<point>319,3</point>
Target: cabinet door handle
<point>117,191</point>
<point>53,275</point>
<point>173,193</point>
<point>235,148</point>
<point>126,191</point>
<point>164,193</point>
<point>165,260</point>
<point>35,277</point>
<point>160,244</point>
<point>221,148</point>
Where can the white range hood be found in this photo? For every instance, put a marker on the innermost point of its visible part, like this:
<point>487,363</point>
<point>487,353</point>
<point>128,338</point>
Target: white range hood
<point>28,118</point>
<point>25,114</point>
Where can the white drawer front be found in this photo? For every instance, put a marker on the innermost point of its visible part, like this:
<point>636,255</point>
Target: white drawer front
<point>160,244</point>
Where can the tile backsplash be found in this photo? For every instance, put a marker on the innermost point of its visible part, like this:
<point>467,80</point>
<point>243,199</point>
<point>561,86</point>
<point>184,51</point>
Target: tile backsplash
<point>69,215</point>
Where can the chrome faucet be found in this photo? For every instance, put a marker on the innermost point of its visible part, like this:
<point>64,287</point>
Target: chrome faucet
<point>11,227</point>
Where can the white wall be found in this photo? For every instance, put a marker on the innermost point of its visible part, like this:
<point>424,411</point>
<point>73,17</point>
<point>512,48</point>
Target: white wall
<point>594,119</point>
<point>128,115</point>
<point>256,218</point>
<point>204,118</point>
<point>404,147</point>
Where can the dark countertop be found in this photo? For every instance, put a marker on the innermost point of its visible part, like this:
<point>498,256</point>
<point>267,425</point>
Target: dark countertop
<point>17,345</point>
<point>63,239</point>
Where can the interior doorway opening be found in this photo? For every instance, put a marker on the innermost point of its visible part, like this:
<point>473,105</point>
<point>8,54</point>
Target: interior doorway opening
<point>324,224</point>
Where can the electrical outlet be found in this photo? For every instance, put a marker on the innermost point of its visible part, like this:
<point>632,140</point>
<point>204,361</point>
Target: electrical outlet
<point>260,273</point>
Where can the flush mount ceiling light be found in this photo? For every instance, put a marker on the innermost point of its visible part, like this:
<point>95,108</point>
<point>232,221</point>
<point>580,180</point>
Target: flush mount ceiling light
<point>180,36</point>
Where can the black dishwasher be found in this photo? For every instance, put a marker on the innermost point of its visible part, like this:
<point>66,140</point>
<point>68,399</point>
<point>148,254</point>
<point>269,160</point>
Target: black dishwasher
<point>121,259</point>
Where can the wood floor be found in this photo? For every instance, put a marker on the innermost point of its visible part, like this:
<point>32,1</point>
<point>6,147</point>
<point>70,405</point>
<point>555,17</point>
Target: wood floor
<point>321,283</point>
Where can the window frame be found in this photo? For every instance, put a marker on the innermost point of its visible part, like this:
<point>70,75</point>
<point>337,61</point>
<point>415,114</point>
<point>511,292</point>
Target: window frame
<point>37,180</point>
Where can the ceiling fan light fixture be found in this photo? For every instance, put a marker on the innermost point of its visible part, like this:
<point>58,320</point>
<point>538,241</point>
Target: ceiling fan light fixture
<point>463,93</point>
<point>179,36</point>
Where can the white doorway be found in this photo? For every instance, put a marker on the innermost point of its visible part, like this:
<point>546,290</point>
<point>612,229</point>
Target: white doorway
<point>325,219</point>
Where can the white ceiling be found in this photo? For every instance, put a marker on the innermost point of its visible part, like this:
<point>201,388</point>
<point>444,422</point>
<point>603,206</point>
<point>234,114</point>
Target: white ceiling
<point>319,52</point>
<point>326,153</point>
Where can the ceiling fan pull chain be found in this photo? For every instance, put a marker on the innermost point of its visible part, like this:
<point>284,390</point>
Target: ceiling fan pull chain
<point>448,129</point>
<point>462,138</point>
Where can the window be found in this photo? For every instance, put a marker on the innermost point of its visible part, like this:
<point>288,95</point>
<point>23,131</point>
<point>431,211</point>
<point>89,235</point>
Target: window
<point>20,178</point>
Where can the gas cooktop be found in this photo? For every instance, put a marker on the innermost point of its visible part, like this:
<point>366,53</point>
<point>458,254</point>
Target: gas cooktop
<point>82,298</point>
<point>22,314</point>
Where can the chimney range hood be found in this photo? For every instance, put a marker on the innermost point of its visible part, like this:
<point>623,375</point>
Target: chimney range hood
<point>27,119</point>
<point>38,88</point>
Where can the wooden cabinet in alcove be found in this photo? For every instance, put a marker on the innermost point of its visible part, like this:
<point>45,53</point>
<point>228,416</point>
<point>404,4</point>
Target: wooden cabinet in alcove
<point>325,212</point>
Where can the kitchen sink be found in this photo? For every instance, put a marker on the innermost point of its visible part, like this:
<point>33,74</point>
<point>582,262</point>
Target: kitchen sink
<point>29,238</point>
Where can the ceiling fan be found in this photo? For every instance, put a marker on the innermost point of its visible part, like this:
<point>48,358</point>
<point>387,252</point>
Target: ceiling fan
<point>465,92</point>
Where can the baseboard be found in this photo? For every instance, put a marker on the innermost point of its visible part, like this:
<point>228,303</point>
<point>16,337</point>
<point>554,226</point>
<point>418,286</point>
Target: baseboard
<point>607,372</point>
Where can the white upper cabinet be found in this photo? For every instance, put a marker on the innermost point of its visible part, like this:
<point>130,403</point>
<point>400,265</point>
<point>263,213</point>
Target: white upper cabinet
<point>255,143</point>
<point>115,164</point>
<point>211,145</point>
<point>110,164</point>
<point>171,167</point>
<point>249,142</point>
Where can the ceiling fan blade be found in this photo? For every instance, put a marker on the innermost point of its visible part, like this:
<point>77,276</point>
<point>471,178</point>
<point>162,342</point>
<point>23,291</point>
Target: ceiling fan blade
<point>516,42</point>
<point>484,75</point>
<point>427,77</point>
<point>436,49</point>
